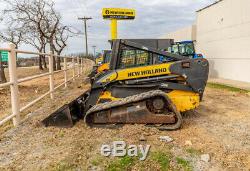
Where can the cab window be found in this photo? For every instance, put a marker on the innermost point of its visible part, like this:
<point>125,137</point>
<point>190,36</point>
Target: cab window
<point>133,58</point>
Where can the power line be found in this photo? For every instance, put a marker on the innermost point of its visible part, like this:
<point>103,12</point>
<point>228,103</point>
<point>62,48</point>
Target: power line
<point>85,19</point>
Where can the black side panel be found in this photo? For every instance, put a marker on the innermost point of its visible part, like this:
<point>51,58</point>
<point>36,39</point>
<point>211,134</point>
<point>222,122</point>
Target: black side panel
<point>122,92</point>
<point>175,86</point>
<point>93,98</point>
<point>114,54</point>
<point>194,70</point>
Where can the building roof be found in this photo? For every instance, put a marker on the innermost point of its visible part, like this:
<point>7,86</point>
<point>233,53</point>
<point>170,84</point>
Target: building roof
<point>209,5</point>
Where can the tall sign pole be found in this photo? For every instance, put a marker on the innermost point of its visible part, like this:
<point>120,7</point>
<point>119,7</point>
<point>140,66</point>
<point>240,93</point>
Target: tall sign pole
<point>86,32</point>
<point>113,29</point>
<point>115,14</point>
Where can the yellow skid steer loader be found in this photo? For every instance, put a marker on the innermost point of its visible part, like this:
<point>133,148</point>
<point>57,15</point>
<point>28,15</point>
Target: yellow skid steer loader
<point>138,89</point>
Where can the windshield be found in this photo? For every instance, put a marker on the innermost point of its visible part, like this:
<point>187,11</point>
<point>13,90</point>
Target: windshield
<point>186,49</point>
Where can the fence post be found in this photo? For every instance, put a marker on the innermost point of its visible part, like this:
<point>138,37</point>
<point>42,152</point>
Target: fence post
<point>81,65</point>
<point>73,62</point>
<point>51,76</point>
<point>15,103</point>
<point>78,67</point>
<point>65,72</point>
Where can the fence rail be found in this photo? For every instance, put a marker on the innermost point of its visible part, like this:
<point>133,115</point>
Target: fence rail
<point>14,81</point>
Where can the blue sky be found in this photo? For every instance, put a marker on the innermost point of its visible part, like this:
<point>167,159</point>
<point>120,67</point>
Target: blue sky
<point>154,18</point>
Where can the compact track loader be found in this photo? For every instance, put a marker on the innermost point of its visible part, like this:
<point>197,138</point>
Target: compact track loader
<point>138,89</point>
<point>161,44</point>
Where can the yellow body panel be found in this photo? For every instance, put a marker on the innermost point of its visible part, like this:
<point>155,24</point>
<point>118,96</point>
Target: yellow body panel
<point>103,67</point>
<point>183,100</point>
<point>139,72</point>
<point>107,95</point>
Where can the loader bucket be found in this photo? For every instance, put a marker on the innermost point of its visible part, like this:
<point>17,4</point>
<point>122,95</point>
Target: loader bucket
<point>67,115</point>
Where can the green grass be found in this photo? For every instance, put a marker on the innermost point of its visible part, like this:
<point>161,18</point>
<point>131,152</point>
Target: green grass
<point>163,159</point>
<point>184,164</point>
<point>125,163</point>
<point>226,87</point>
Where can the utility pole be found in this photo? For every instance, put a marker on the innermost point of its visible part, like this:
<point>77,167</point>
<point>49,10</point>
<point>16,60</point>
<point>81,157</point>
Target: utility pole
<point>85,30</point>
<point>94,49</point>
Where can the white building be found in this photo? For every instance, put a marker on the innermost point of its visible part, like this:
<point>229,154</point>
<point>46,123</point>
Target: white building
<point>187,33</point>
<point>222,34</point>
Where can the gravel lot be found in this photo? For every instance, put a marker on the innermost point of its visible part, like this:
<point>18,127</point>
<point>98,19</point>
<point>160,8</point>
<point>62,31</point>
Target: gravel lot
<point>219,127</point>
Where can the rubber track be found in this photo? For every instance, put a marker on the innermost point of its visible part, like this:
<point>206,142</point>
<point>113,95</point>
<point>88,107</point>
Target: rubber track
<point>134,99</point>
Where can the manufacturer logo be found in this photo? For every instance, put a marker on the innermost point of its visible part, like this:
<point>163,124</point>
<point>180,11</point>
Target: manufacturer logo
<point>147,72</point>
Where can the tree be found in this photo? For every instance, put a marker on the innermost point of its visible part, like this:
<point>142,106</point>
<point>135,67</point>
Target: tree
<point>41,24</point>
<point>51,23</point>
<point>40,21</point>
<point>12,35</point>
<point>60,42</point>
<point>39,43</point>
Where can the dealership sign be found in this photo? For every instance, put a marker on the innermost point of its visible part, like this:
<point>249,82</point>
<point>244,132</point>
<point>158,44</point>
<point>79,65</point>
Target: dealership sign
<point>118,13</point>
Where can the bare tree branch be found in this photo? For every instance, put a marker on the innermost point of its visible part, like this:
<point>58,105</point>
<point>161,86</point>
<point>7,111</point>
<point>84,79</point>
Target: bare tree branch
<point>41,25</point>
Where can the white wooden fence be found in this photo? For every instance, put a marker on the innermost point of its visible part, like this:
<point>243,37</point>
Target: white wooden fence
<point>14,81</point>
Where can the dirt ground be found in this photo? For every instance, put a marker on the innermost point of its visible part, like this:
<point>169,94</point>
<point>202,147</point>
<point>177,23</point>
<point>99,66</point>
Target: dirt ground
<point>30,90</point>
<point>219,127</point>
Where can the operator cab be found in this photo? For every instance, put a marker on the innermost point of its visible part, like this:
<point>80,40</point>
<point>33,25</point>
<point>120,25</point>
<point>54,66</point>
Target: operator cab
<point>184,48</point>
<point>127,54</point>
